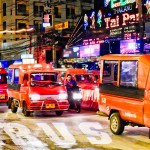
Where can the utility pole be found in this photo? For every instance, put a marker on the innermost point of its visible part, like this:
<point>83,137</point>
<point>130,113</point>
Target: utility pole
<point>54,54</point>
<point>30,49</point>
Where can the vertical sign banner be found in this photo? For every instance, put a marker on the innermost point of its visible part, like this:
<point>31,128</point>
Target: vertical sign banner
<point>47,20</point>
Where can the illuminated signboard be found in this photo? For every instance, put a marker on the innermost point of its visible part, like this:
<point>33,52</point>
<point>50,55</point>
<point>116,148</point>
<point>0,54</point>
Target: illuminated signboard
<point>92,41</point>
<point>119,16</point>
<point>47,20</point>
<point>116,3</point>
<point>89,20</point>
<point>129,46</point>
<point>60,26</point>
<point>72,52</point>
<point>90,50</point>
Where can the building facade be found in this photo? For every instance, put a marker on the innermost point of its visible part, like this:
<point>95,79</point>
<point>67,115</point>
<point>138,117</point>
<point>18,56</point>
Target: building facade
<point>19,17</point>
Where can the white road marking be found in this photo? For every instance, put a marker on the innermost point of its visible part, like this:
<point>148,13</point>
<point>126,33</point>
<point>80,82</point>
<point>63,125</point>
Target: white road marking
<point>94,135</point>
<point>68,140</point>
<point>21,135</point>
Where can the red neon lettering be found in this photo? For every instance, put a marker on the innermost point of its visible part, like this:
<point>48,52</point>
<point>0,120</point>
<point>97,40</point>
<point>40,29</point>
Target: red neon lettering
<point>125,18</point>
<point>107,20</point>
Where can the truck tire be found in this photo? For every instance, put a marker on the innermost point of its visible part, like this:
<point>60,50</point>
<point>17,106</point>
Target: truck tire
<point>9,103</point>
<point>13,107</point>
<point>59,113</point>
<point>25,111</point>
<point>116,124</point>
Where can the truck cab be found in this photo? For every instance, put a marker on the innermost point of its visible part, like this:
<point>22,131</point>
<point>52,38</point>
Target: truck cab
<point>125,90</point>
<point>35,87</point>
<point>3,87</point>
<point>88,81</point>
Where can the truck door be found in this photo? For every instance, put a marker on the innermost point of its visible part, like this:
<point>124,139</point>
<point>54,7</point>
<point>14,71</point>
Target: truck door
<point>13,83</point>
<point>147,103</point>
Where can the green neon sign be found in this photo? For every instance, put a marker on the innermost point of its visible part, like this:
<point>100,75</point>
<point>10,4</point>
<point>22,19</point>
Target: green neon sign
<point>116,3</point>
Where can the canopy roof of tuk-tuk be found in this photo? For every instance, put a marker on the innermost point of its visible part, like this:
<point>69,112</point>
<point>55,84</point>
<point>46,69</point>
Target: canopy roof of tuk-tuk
<point>76,71</point>
<point>145,58</point>
<point>31,66</point>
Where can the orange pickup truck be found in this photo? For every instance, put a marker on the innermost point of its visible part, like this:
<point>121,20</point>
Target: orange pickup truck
<point>35,87</point>
<point>125,90</point>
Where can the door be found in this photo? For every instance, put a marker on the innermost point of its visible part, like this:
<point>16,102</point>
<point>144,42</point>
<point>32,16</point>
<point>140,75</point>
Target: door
<point>147,103</point>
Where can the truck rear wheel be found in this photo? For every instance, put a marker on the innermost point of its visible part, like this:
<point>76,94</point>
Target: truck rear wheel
<point>59,113</point>
<point>24,110</point>
<point>13,107</point>
<point>116,124</point>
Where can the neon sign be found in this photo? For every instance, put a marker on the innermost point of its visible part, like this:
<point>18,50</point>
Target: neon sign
<point>126,18</point>
<point>114,3</point>
<point>123,9</point>
<point>89,21</point>
<point>92,41</point>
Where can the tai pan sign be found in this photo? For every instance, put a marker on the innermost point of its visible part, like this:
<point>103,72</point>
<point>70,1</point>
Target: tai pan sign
<point>60,26</point>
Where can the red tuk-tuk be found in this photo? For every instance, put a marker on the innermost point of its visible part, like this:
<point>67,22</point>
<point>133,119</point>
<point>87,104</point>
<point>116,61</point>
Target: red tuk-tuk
<point>3,87</point>
<point>35,87</point>
<point>89,83</point>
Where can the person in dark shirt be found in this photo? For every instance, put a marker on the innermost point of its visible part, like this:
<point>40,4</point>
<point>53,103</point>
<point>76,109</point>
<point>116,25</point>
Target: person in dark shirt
<point>70,84</point>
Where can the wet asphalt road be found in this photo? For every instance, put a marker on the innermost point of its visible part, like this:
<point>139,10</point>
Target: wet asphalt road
<point>71,131</point>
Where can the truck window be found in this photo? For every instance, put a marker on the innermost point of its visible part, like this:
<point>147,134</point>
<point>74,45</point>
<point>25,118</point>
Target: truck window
<point>43,76</point>
<point>83,78</point>
<point>3,78</point>
<point>16,76</point>
<point>10,76</point>
<point>128,74</point>
<point>110,72</point>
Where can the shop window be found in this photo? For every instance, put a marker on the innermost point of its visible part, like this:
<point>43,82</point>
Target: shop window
<point>128,74</point>
<point>4,9</point>
<point>110,72</point>
<point>10,76</point>
<point>16,76</point>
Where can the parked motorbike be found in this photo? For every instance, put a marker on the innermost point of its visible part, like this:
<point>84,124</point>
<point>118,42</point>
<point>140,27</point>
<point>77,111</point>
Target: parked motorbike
<point>75,99</point>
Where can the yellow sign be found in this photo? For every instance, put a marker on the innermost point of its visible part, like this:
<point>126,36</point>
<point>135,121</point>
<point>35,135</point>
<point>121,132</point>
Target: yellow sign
<point>60,26</point>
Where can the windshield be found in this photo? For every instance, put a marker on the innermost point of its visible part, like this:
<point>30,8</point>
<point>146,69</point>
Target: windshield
<point>85,78</point>
<point>3,78</point>
<point>43,79</point>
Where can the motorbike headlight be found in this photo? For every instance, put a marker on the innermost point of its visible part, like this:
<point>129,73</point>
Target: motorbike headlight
<point>77,95</point>
<point>34,97</point>
<point>63,96</point>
